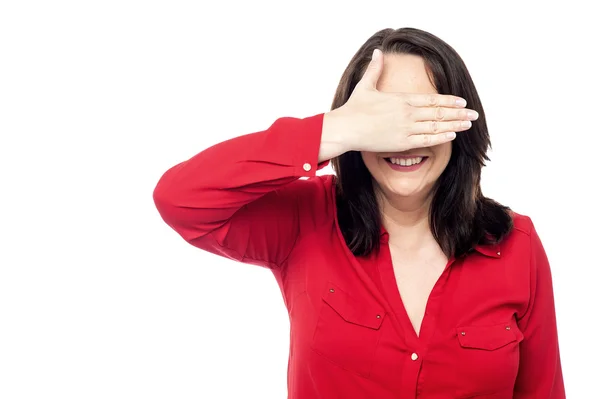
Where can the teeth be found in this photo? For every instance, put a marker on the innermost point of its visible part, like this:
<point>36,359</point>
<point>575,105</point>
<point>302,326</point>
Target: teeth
<point>406,161</point>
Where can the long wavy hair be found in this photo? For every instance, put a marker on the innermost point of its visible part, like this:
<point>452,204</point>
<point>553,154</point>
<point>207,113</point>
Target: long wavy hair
<point>460,216</point>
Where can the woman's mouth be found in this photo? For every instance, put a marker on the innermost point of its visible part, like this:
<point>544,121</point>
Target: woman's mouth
<point>406,164</point>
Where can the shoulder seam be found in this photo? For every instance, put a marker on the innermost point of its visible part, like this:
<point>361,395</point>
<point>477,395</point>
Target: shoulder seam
<point>518,226</point>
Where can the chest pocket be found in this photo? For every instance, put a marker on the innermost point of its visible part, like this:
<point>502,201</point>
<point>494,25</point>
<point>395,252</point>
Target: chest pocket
<point>348,330</point>
<point>489,337</point>
<point>489,356</point>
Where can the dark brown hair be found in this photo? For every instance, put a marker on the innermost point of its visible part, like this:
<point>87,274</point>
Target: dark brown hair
<point>460,216</point>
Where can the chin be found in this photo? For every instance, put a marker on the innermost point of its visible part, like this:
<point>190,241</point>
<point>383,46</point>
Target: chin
<point>404,187</point>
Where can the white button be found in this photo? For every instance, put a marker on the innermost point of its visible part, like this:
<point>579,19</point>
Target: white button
<point>498,253</point>
<point>414,356</point>
<point>306,167</point>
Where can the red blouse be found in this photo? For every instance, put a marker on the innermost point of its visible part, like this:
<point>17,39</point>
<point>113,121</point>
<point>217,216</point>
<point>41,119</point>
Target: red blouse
<point>489,329</point>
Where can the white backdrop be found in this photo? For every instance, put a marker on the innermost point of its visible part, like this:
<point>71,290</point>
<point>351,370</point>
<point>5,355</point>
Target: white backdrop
<point>100,299</point>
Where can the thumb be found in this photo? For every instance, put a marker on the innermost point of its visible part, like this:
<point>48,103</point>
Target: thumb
<point>373,71</point>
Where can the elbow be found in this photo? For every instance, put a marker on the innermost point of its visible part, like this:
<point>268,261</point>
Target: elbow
<point>165,198</point>
<point>161,198</point>
<point>184,215</point>
<point>163,201</point>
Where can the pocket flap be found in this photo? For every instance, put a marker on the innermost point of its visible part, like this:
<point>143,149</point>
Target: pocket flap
<point>489,337</point>
<point>352,310</point>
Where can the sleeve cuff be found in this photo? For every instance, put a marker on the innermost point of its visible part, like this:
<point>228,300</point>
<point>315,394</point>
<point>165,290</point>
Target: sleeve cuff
<point>296,142</point>
<point>308,140</point>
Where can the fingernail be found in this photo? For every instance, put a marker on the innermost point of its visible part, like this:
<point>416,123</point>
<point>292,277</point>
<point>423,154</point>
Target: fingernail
<point>451,135</point>
<point>461,102</point>
<point>472,115</point>
<point>376,53</point>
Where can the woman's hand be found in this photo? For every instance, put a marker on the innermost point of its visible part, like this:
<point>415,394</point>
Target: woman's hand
<point>392,122</point>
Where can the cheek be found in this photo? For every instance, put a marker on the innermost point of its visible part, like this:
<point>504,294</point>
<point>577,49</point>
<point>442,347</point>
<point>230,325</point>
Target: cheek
<point>373,164</point>
<point>442,154</point>
<point>370,160</point>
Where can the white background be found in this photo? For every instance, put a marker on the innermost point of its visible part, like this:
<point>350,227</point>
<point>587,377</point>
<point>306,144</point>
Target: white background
<point>100,299</point>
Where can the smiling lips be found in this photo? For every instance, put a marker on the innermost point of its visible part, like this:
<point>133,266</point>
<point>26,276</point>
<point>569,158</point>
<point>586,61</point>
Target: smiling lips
<point>406,164</point>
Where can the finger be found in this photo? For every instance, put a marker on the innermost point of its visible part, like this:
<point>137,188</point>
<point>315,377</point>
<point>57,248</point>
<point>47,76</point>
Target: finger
<point>373,71</point>
<point>436,100</point>
<point>443,114</point>
<point>436,127</point>
<point>429,140</point>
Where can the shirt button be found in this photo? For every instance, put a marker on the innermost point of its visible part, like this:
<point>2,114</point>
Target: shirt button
<point>306,167</point>
<point>414,356</point>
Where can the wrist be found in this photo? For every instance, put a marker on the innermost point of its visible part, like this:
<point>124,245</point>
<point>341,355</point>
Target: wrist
<point>337,131</point>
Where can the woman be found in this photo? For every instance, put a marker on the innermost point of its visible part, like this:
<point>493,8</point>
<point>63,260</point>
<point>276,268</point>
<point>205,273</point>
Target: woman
<point>401,279</point>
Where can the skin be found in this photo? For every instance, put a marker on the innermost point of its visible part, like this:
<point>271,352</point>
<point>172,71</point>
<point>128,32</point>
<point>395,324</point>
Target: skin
<point>393,108</point>
<point>406,193</point>
<point>404,197</point>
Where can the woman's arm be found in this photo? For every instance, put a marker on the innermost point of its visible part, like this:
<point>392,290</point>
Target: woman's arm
<point>540,373</point>
<point>242,198</point>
